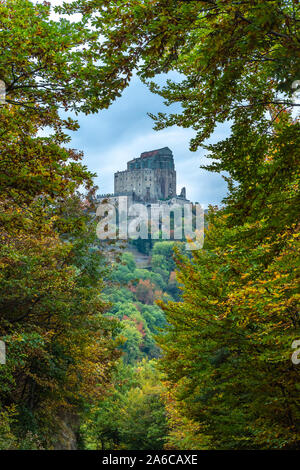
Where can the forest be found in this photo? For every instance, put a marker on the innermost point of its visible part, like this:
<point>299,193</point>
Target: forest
<point>196,350</point>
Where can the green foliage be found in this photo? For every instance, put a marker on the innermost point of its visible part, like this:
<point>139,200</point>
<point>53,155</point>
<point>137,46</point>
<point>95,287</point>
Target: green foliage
<point>238,312</point>
<point>55,62</point>
<point>228,348</point>
<point>228,345</point>
<point>154,317</point>
<point>59,346</point>
<point>134,305</point>
<point>162,255</point>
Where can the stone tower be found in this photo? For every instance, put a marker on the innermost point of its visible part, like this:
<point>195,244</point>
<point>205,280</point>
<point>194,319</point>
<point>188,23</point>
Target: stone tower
<point>149,178</point>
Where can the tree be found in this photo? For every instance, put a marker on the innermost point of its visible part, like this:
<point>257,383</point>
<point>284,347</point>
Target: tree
<point>238,62</point>
<point>162,255</point>
<point>60,347</point>
<point>228,347</point>
<point>236,58</point>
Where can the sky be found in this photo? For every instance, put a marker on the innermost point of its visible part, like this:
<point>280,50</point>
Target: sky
<point>112,137</point>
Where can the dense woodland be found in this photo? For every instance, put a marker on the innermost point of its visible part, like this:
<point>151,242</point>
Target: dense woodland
<point>195,352</point>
